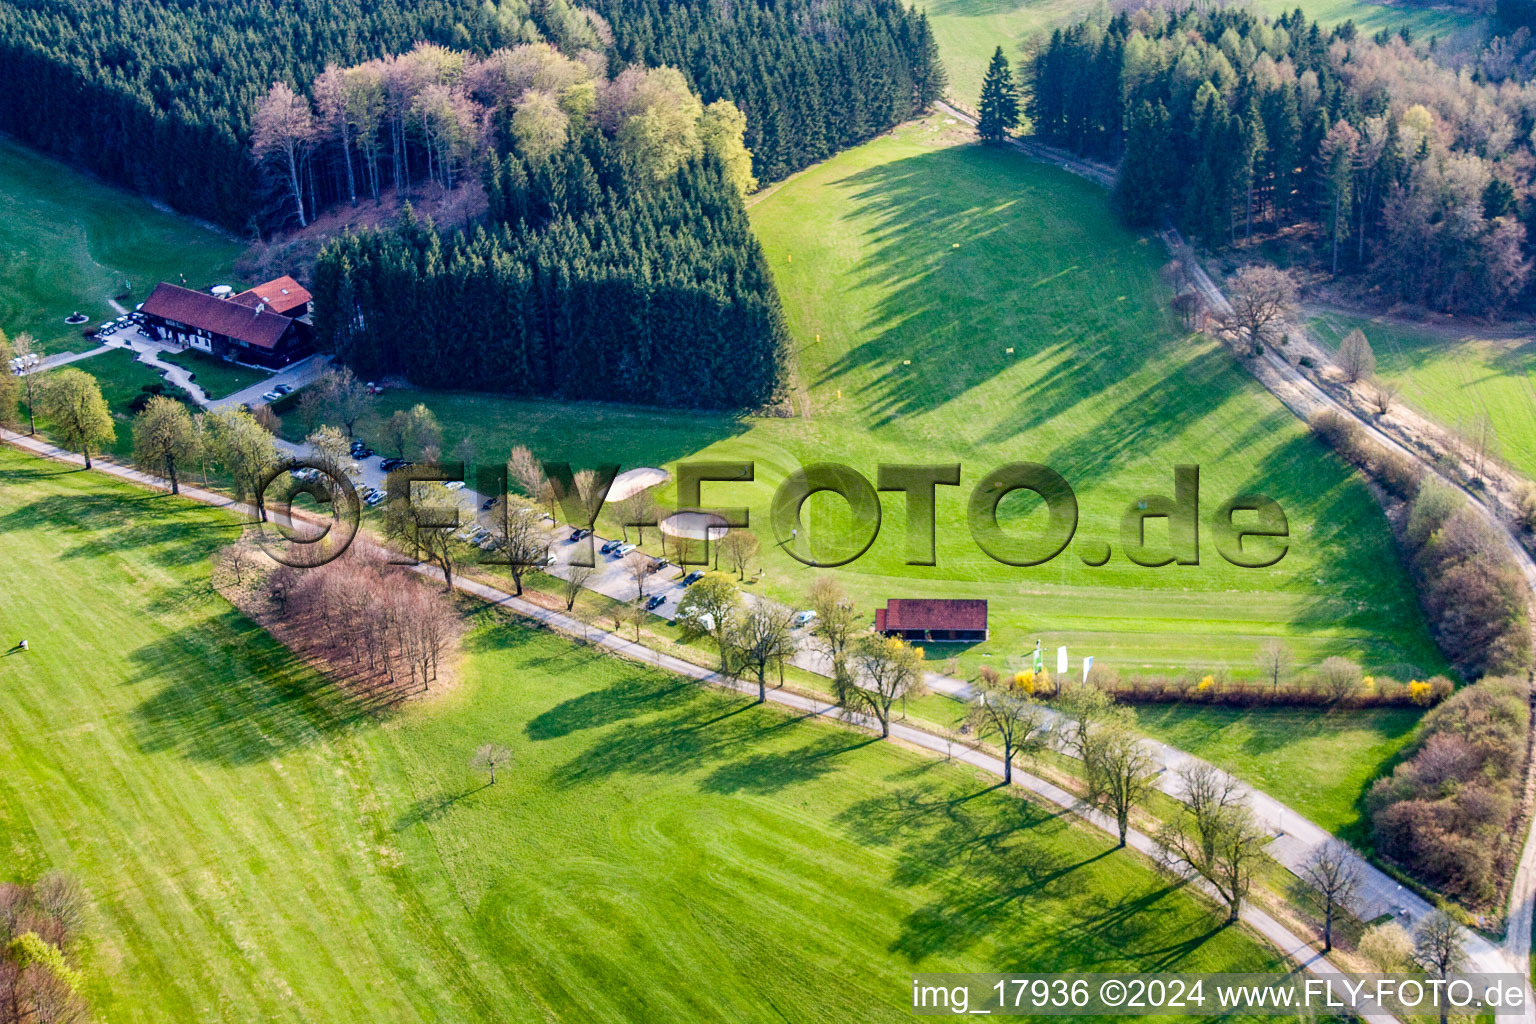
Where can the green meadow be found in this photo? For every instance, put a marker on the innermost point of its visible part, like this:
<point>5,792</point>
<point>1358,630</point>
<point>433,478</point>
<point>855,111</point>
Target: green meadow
<point>954,303</point>
<point>71,243</point>
<point>1454,375</point>
<point>257,846</point>
<point>967,31</point>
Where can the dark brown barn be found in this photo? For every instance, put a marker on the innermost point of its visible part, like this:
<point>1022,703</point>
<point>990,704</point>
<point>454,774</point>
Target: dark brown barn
<point>933,620</point>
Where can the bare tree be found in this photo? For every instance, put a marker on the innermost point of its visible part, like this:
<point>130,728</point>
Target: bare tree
<point>1339,677</point>
<point>346,399</point>
<point>1120,770</point>
<point>589,496</point>
<point>527,472</point>
<point>1437,948</point>
<point>239,559</point>
<point>636,509</point>
<point>836,620</point>
<point>1275,661</point>
<point>1481,442</point>
<point>884,670</point>
<point>1262,298</point>
<point>677,547</point>
<point>1383,394</point>
<point>576,579</point>
<point>640,567</point>
<point>1331,880</point>
<point>522,540</point>
<point>422,523</point>
<point>739,547</point>
<point>284,130</point>
<point>1001,710</point>
<point>762,637</point>
<point>1355,357</point>
<point>23,345</point>
<point>489,757</point>
<point>1216,835</point>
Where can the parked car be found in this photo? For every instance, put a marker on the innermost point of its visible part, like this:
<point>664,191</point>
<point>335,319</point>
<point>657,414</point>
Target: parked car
<point>454,485</point>
<point>578,533</point>
<point>270,396</point>
<point>283,389</point>
<point>693,577</point>
<point>608,546</point>
<point>662,563</point>
<point>804,618</point>
<point>488,503</point>
<point>622,550</point>
<point>654,601</point>
<point>375,498</point>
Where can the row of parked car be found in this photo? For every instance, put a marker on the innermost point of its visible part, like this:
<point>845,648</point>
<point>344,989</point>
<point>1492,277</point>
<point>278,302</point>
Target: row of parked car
<point>278,391</point>
<point>111,327</point>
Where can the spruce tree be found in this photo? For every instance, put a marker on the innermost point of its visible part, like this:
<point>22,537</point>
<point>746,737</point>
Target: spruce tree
<point>999,106</point>
<point>1141,189</point>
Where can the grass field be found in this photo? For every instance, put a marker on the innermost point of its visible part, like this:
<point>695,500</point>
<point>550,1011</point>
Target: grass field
<point>69,242</point>
<point>256,848</point>
<point>1454,375</point>
<point>217,377</point>
<point>908,269</point>
<point>1319,762</point>
<point>967,31</point>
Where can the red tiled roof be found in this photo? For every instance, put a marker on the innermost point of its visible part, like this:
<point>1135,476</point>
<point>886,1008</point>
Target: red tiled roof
<point>217,316</point>
<point>931,613</point>
<point>280,295</point>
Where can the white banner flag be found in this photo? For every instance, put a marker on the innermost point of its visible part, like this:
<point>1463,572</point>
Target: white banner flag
<point>1087,664</point>
<point>1061,661</point>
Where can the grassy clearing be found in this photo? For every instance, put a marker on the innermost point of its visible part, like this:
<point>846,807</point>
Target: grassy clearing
<point>908,268</point>
<point>1316,761</point>
<point>967,31</point>
<point>256,848</point>
<point>217,377</point>
<point>1453,375</point>
<point>72,242</point>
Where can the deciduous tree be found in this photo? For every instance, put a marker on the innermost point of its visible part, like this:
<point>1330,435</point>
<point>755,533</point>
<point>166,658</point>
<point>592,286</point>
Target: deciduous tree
<point>71,400</point>
<point>1002,710</point>
<point>1331,881</point>
<point>882,671</point>
<point>164,439</point>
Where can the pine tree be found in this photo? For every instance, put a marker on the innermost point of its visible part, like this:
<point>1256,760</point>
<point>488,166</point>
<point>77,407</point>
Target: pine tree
<point>999,106</point>
<point>1141,189</point>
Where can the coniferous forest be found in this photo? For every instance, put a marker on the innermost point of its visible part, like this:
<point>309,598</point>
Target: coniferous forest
<point>1412,175</point>
<point>589,281</point>
<point>161,95</point>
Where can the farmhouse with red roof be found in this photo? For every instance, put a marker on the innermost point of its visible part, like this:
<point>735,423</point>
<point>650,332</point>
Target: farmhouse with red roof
<point>236,329</point>
<point>933,620</point>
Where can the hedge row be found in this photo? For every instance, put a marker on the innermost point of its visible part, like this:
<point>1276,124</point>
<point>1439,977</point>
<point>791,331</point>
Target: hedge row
<point>1441,814</point>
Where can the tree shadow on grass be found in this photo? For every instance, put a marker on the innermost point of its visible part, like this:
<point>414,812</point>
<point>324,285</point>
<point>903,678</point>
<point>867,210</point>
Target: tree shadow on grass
<point>433,808</point>
<point>228,694</point>
<point>178,532</point>
<point>1015,875</point>
<point>652,725</point>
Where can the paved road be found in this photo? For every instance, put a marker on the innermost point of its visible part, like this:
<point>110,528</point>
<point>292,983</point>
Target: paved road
<point>1273,931</point>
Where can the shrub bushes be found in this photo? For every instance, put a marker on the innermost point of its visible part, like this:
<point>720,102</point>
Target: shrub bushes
<point>1338,682</point>
<point>1472,594</point>
<point>1441,813</point>
<point>1399,476</point>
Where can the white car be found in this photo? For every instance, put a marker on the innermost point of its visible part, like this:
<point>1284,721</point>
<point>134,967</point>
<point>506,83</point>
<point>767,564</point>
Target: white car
<point>271,396</point>
<point>804,618</point>
<point>454,485</point>
<point>622,550</point>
